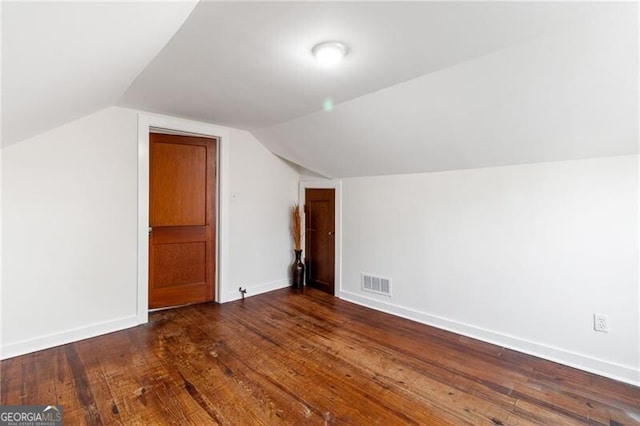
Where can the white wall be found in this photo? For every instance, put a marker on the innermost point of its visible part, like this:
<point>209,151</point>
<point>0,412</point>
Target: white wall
<point>262,188</point>
<point>1,145</point>
<point>521,255</point>
<point>70,212</point>
<point>1,273</point>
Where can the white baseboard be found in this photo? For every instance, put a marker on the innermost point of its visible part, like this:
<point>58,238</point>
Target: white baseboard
<point>11,350</point>
<point>254,290</point>
<point>601,367</point>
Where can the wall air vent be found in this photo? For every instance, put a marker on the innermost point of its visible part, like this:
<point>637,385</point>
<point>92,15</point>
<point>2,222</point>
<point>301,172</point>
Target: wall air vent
<point>376,284</point>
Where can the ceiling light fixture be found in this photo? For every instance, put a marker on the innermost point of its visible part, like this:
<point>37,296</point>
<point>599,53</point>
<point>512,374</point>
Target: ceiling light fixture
<point>329,52</point>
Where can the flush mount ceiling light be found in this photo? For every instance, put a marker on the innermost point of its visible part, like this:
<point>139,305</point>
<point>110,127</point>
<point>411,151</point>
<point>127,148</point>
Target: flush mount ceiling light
<point>329,52</point>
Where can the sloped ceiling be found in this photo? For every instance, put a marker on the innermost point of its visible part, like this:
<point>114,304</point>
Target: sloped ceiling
<point>65,60</point>
<point>249,65</point>
<point>562,96</point>
<point>426,85</point>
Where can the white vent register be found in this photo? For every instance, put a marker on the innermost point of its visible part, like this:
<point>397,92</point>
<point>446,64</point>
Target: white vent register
<point>376,284</point>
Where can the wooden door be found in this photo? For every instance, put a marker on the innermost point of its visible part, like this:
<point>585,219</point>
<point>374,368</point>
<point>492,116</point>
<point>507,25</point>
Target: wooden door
<point>320,245</point>
<point>182,185</point>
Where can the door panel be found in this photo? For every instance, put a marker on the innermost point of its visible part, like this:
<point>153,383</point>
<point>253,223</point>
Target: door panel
<point>178,264</point>
<point>320,238</point>
<point>180,172</point>
<point>182,219</point>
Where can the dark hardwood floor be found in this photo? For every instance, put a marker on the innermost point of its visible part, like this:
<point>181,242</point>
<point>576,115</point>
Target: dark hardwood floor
<point>305,358</point>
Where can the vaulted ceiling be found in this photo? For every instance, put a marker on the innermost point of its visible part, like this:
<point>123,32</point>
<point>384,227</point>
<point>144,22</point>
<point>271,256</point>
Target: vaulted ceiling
<point>64,60</point>
<point>426,85</point>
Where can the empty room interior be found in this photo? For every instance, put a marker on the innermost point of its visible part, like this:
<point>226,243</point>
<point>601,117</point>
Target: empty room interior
<point>321,213</point>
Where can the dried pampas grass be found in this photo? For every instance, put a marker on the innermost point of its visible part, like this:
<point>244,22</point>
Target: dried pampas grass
<point>296,226</point>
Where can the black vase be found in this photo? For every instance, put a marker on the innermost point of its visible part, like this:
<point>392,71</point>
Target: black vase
<point>297,271</point>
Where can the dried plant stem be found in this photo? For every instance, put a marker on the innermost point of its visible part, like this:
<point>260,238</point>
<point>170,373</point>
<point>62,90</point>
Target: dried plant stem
<point>296,226</point>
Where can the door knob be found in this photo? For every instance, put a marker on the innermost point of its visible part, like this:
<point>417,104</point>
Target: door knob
<point>331,233</point>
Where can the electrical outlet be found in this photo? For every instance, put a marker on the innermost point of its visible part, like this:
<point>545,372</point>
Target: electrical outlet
<point>601,323</point>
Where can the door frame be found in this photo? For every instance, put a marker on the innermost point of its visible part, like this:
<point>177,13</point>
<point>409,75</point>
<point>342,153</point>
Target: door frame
<point>337,186</point>
<point>146,124</point>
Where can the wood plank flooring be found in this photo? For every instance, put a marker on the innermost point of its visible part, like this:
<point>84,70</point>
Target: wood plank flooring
<point>305,358</point>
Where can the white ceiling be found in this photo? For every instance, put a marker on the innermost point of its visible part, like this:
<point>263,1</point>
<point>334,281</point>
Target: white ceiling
<point>561,96</point>
<point>65,60</point>
<point>249,64</point>
<point>426,86</point>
